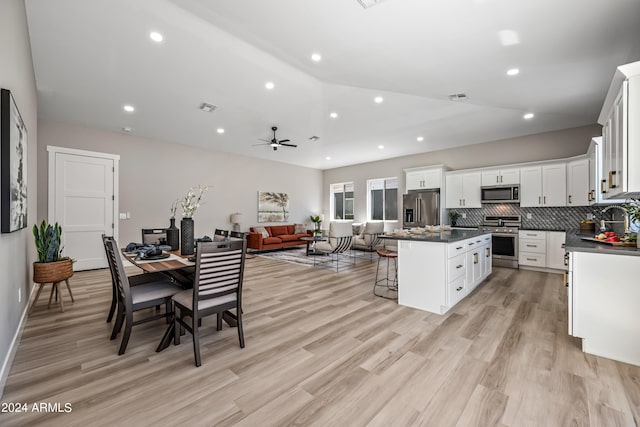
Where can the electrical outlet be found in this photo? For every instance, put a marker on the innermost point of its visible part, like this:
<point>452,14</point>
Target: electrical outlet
<point>528,216</point>
<point>464,215</point>
<point>19,295</point>
<point>123,215</point>
<point>589,216</point>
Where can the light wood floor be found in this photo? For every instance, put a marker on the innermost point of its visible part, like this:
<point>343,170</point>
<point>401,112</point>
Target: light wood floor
<point>322,350</point>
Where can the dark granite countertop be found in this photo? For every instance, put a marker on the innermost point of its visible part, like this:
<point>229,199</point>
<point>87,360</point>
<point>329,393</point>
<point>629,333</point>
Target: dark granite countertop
<point>543,229</point>
<point>574,243</point>
<point>443,237</point>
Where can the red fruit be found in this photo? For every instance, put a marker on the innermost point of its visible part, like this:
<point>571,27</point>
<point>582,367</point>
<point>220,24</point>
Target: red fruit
<point>612,239</point>
<point>609,233</point>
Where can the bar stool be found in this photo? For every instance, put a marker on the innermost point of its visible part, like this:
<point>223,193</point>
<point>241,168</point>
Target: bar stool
<point>391,283</point>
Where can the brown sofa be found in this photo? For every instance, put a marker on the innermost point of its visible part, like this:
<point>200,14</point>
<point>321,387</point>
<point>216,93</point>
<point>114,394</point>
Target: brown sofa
<point>280,236</point>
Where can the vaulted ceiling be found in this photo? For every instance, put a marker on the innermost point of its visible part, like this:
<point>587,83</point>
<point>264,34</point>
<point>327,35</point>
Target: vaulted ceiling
<point>92,58</point>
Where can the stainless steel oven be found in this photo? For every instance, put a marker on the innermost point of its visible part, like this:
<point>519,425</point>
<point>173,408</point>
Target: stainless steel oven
<point>504,239</point>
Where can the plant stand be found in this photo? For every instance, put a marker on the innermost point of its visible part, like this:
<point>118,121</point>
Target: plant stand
<point>54,273</point>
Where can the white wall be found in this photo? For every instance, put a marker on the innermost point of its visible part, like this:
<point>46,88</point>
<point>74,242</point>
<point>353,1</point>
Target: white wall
<point>544,146</point>
<point>16,249</point>
<point>154,173</point>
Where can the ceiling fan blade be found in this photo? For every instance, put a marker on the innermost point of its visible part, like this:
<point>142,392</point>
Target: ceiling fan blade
<point>283,140</point>
<point>288,145</point>
<point>267,143</point>
<point>265,140</point>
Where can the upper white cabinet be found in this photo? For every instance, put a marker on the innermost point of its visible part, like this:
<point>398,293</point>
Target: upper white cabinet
<point>423,178</point>
<point>463,190</point>
<point>620,118</point>
<point>543,186</point>
<point>492,177</point>
<point>578,183</point>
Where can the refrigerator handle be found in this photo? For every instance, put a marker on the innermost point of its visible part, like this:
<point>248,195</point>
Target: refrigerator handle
<point>419,221</point>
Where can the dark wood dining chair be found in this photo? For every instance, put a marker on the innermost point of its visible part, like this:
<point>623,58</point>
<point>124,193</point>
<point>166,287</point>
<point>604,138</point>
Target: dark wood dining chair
<point>237,235</point>
<point>217,288</point>
<point>150,290</point>
<point>114,287</point>
<point>219,235</point>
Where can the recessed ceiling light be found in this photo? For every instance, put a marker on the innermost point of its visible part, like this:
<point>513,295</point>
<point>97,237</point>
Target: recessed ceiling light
<point>269,85</point>
<point>316,57</point>
<point>513,72</point>
<point>207,107</point>
<point>129,108</point>
<point>126,129</point>
<point>314,138</point>
<point>380,147</point>
<point>378,99</point>
<point>333,115</point>
<point>220,130</point>
<point>457,96</point>
<point>420,138</point>
<point>156,37</point>
<point>327,158</point>
<point>529,116</point>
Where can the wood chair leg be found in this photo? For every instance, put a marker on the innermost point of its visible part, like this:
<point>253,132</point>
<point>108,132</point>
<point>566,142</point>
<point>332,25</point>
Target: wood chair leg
<point>240,329</point>
<point>219,322</point>
<point>176,326</point>
<point>37,296</point>
<point>114,300</point>
<point>126,334</point>
<point>69,289</point>
<point>119,320</point>
<point>196,342</point>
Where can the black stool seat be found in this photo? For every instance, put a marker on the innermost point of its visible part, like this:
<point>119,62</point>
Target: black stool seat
<point>390,283</point>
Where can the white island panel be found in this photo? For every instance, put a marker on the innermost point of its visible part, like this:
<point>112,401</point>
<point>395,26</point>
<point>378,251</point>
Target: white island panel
<point>422,275</point>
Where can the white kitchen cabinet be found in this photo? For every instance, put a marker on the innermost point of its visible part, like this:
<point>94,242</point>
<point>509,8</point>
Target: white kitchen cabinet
<point>423,178</point>
<point>620,118</point>
<point>492,177</point>
<point>604,304</point>
<point>598,186</point>
<point>555,250</point>
<point>463,190</point>
<point>543,186</point>
<point>541,249</point>
<point>454,270</point>
<point>578,182</point>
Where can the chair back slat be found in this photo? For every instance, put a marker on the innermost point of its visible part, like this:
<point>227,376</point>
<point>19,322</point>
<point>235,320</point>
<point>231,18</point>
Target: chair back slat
<point>219,270</point>
<point>343,244</point>
<point>117,272</point>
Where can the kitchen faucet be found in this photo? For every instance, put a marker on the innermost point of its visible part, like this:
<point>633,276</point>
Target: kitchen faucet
<point>625,220</point>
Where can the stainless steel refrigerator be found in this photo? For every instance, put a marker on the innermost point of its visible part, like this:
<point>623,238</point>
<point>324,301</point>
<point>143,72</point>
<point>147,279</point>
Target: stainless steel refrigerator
<point>420,208</point>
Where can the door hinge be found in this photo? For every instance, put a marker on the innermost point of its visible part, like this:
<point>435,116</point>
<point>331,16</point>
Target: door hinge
<point>113,197</point>
<point>113,225</point>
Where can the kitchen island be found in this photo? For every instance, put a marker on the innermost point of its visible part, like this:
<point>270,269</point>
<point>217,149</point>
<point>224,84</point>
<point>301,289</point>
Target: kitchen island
<point>603,296</point>
<point>437,270</point>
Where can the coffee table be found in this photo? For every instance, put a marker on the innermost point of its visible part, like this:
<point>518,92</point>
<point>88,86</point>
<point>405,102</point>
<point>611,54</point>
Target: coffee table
<point>313,239</point>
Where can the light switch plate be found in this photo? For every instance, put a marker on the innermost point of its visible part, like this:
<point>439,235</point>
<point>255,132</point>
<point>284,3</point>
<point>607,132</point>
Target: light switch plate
<point>464,215</point>
<point>528,216</point>
<point>123,215</point>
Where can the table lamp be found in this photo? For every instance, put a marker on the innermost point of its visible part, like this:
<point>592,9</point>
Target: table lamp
<point>235,220</point>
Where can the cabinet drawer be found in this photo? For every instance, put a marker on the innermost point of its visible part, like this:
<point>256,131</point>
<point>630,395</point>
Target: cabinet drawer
<point>456,290</point>
<point>456,248</point>
<point>527,234</point>
<point>456,267</point>
<point>532,259</point>
<point>533,245</point>
<point>472,244</point>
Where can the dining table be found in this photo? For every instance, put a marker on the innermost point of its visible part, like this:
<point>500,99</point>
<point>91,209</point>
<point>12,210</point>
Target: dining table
<point>181,269</point>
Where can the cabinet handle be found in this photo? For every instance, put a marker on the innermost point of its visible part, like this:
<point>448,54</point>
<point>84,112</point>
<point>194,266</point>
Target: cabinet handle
<point>475,258</point>
<point>544,200</point>
<point>459,289</point>
<point>531,259</point>
<point>533,235</point>
<point>589,196</point>
<point>602,186</point>
<point>566,259</point>
<point>460,202</point>
<point>569,198</point>
<point>539,200</point>
<point>464,202</point>
<point>593,195</point>
<point>500,179</point>
<point>532,246</point>
<point>471,244</point>
<point>488,252</point>
<point>497,178</point>
<point>611,176</point>
<point>459,266</point>
<point>458,248</point>
<point>564,279</point>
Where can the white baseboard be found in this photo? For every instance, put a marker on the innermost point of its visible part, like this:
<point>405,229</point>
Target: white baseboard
<point>13,348</point>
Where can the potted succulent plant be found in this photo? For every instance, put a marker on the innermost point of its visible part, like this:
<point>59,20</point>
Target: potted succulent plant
<point>453,217</point>
<point>51,266</point>
<point>632,208</point>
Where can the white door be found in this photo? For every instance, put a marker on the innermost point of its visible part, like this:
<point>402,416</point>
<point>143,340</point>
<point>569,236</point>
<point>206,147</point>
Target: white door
<point>531,186</point>
<point>82,199</point>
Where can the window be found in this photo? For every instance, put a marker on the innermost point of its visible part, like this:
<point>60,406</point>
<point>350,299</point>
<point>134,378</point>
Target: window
<point>342,200</point>
<point>383,199</point>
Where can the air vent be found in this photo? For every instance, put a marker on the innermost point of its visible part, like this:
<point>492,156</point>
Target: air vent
<point>368,3</point>
<point>207,108</point>
<point>314,138</point>
<point>457,97</point>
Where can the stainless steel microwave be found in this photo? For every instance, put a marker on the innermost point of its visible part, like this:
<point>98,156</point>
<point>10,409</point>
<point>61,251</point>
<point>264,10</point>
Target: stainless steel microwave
<point>501,194</point>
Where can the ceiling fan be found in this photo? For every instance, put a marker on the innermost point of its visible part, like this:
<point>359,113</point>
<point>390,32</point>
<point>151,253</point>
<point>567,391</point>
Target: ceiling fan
<point>274,142</point>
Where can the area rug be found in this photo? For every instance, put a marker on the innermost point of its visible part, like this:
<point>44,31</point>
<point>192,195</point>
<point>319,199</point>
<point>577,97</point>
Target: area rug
<point>293,255</point>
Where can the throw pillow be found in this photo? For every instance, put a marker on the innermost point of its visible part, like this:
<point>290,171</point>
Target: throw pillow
<point>300,229</point>
<point>262,230</point>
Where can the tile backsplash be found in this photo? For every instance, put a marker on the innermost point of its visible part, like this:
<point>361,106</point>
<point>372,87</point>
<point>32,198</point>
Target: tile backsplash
<point>566,218</point>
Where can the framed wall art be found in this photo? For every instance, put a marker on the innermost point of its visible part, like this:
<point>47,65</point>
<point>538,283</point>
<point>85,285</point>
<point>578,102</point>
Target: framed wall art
<point>273,207</point>
<point>13,165</point>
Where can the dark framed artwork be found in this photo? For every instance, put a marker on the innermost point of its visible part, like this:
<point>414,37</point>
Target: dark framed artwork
<point>13,165</point>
